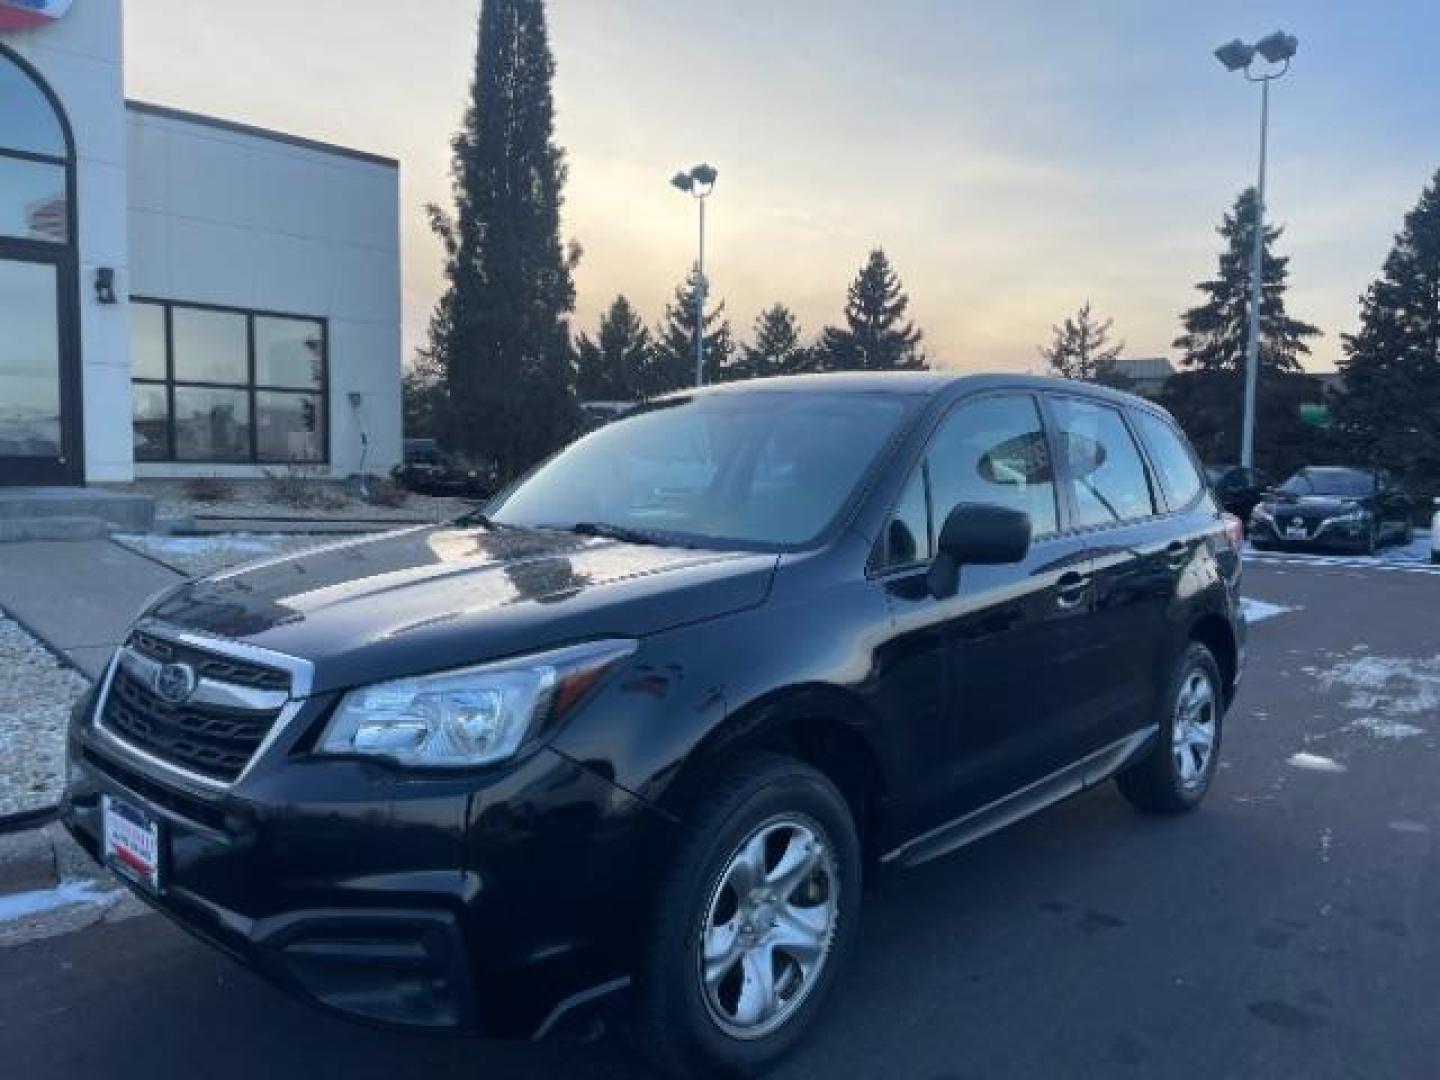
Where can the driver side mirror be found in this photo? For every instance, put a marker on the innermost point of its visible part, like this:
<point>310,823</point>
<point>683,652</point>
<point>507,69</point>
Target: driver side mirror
<point>976,534</point>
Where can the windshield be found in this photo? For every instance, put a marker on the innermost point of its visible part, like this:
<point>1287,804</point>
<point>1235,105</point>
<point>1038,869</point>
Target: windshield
<point>749,469</point>
<point>1336,483</point>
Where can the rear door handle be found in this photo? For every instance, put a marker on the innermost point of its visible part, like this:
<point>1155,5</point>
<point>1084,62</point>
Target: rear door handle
<point>1070,590</point>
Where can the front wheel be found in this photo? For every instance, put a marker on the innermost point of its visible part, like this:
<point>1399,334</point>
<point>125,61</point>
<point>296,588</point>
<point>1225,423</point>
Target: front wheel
<point>752,923</point>
<point>1176,774</point>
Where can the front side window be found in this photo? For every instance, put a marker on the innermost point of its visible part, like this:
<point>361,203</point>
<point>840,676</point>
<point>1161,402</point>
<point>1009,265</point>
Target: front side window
<point>227,386</point>
<point>1108,483</point>
<point>34,156</point>
<point>993,451</point>
<point>1174,467</point>
<point>753,469</point>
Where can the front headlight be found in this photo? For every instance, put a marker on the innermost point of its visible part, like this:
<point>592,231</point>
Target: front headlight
<point>470,716</point>
<point>1358,516</point>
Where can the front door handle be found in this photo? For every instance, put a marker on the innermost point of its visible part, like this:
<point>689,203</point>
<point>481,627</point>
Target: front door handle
<point>1070,590</point>
<point>1177,554</point>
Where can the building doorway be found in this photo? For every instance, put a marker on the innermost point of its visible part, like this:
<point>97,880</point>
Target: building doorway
<point>40,431</point>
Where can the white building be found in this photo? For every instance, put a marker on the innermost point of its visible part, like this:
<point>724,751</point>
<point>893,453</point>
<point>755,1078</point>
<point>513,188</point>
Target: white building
<point>181,295</point>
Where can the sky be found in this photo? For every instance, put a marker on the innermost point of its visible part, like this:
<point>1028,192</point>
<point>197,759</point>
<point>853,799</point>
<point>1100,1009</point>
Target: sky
<point>1014,158</point>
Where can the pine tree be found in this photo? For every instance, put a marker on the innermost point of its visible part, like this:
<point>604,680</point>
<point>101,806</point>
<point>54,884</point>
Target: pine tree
<point>614,366</point>
<point>875,336</point>
<point>501,330</point>
<point>1080,349</point>
<point>674,358</point>
<point>1208,397</point>
<point>1389,412</point>
<point>777,348</point>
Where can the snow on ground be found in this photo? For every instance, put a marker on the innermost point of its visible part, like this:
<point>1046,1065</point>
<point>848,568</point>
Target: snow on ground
<point>196,556</point>
<point>37,692</point>
<point>1411,557</point>
<point>1259,610</point>
<point>1315,762</point>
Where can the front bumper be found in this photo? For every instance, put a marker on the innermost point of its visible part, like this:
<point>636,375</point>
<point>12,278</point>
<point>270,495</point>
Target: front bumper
<point>471,902</point>
<point>1325,535</point>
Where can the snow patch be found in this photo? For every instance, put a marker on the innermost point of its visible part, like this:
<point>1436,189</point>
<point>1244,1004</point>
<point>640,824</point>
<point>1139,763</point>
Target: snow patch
<point>1314,762</point>
<point>1384,729</point>
<point>1387,684</point>
<point>1259,610</point>
<point>25,904</point>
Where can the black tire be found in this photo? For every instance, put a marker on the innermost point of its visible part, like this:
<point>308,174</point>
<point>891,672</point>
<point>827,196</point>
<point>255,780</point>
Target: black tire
<point>674,1023</point>
<point>1372,541</point>
<point>1155,783</point>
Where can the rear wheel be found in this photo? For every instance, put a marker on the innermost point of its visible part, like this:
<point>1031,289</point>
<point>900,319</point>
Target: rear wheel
<point>752,923</point>
<point>1175,776</point>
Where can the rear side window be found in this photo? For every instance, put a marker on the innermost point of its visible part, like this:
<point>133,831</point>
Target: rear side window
<point>1107,476</point>
<point>993,451</point>
<point>1174,466</point>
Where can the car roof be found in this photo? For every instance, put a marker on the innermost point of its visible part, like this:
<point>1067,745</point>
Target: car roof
<point>913,383</point>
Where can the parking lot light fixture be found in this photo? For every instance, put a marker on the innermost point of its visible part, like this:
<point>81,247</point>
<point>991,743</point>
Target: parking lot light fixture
<point>1276,50</point>
<point>698,182</point>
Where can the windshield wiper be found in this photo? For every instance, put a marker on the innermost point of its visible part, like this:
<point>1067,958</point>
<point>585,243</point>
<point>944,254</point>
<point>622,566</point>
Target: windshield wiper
<point>618,532</point>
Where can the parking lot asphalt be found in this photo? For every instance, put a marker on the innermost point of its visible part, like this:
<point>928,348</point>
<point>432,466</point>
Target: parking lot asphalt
<point>1289,929</point>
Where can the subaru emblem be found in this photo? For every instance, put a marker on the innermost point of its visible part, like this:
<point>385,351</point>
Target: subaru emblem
<point>175,683</point>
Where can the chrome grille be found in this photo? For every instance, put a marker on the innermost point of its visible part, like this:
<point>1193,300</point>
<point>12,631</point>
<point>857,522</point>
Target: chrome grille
<point>234,706</point>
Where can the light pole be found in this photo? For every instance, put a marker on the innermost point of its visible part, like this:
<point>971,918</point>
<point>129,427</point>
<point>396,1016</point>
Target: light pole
<point>699,182</point>
<point>1275,49</point>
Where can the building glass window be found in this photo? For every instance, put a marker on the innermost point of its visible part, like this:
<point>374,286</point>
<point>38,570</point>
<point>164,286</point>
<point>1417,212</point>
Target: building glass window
<point>227,386</point>
<point>34,195</point>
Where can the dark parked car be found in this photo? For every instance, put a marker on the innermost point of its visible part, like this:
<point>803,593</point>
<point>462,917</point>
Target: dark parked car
<point>646,724</point>
<point>1334,507</point>
<point>1238,489</point>
<point>428,470</point>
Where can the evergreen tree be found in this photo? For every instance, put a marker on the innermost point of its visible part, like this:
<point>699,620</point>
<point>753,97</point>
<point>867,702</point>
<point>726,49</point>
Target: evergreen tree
<point>674,359</point>
<point>1208,396</point>
<point>614,366</point>
<point>777,348</point>
<point>1080,349</point>
<point>501,331</point>
<point>1389,411</point>
<point>875,336</point>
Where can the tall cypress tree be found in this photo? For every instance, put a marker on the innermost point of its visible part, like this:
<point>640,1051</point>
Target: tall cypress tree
<point>876,336</point>
<point>674,362</point>
<point>1389,411</point>
<point>504,339</point>
<point>1208,396</point>
<point>615,365</point>
<point>777,348</point>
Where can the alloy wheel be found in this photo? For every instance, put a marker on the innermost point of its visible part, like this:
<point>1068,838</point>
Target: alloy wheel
<point>769,926</point>
<point>1193,741</point>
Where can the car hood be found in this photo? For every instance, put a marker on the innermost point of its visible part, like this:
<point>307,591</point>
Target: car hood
<point>1314,506</point>
<point>433,598</point>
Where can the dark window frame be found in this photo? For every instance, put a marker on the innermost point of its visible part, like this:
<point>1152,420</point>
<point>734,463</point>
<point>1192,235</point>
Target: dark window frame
<point>1065,480</point>
<point>249,387</point>
<point>877,569</point>
<point>1148,453</point>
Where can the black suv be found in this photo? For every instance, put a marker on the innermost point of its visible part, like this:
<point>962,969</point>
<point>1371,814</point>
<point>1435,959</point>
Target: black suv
<point>642,725</point>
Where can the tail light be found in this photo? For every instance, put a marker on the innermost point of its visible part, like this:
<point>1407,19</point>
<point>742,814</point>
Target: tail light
<point>1235,532</point>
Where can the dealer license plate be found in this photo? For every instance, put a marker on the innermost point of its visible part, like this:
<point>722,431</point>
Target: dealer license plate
<point>132,841</point>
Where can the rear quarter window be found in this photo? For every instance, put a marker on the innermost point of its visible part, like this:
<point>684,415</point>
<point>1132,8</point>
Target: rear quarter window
<point>1174,467</point>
